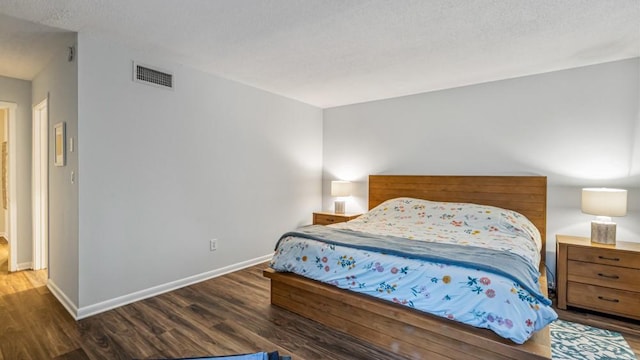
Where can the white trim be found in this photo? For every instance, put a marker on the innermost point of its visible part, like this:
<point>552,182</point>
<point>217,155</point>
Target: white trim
<point>5,130</point>
<point>12,230</point>
<point>24,266</point>
<point>94,309</point>
<point>63,299</point>
<point>39,183</point>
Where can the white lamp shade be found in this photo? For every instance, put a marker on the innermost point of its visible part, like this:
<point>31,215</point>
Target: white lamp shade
<point>340,188</point>
<point>604,202</point>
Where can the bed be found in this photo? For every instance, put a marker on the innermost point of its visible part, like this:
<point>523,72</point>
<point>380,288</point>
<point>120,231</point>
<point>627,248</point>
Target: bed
<point>402,329</point>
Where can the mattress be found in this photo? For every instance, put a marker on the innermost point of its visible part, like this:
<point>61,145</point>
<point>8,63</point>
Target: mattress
<point>473,294</point>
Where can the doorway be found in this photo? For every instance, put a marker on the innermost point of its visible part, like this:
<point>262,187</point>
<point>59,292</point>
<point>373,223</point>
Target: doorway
<point>9,169</point>
<point>40,185</point>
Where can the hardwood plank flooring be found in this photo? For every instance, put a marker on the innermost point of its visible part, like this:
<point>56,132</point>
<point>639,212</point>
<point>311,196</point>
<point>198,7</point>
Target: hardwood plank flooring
<point>226,315</point>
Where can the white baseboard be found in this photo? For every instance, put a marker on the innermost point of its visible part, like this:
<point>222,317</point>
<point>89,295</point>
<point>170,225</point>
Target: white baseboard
<point>64,300</point>
<point>90,310</point>
<point>24,266</point>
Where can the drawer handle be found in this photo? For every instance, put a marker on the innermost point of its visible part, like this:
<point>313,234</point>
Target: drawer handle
<point>609,276</point>
<point>606,299</point>
<point>608,258</point>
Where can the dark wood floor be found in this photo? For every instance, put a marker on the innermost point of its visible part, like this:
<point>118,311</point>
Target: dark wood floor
<point>226,315</point>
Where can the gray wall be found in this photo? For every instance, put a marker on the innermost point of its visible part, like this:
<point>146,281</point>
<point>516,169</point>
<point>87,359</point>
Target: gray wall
<point>59,79</point>
<point>19,92</point>
<point>578,127</point>
<point>162,172</point>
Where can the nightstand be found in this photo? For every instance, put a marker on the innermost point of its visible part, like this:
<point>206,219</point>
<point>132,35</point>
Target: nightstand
<point>328,218</point>
<point>604,278</point>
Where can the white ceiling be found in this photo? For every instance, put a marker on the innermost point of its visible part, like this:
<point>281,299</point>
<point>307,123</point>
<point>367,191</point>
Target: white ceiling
<point>26,47</point>
<point>335,52</point>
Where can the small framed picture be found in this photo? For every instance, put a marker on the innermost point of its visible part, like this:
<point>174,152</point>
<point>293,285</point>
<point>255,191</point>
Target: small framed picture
<point>59,136</point>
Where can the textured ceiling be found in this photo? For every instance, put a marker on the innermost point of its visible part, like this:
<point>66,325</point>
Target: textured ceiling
<point>336,52</point>
<point>26,47</point>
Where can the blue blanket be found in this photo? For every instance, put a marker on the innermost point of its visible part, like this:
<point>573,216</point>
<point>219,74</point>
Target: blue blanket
<point>509,265</point>
<point>255,356</point>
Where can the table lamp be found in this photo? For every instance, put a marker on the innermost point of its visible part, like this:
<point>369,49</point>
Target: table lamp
<point>340,189</point>
<point>604,203</point>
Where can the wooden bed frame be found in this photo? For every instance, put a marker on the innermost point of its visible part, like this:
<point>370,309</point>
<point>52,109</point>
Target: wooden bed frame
<point>407,332</point>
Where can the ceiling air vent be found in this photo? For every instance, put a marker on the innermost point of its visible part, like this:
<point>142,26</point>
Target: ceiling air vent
<point>152,76</point>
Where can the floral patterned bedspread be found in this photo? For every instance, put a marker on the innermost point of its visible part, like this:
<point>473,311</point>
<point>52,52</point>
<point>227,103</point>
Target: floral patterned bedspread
<point>467,295</point>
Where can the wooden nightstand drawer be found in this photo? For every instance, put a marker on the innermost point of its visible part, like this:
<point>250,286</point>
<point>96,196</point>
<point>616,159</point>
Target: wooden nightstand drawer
<point>604,275</point>
<point>604,256</point>
<point>322,219</point>
<point>618,302</point>
<point>600,277</point>
<point>326,218</point>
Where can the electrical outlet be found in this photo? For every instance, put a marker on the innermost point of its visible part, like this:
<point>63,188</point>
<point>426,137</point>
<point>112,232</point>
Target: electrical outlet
<point>213,244</point>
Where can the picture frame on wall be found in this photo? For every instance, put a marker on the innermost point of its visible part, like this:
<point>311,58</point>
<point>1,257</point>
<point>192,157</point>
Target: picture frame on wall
<point>59,144</point>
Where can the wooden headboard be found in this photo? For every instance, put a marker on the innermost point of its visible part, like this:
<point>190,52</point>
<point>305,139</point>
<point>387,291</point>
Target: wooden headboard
<point>524,194</point>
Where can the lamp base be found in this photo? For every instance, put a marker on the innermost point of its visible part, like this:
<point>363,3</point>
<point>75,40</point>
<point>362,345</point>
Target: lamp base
<point>603,232</point>
<point>339,207</point>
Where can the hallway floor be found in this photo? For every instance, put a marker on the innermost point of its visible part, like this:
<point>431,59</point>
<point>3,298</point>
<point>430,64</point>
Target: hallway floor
<point>21,280</point>
<point>33,323</point>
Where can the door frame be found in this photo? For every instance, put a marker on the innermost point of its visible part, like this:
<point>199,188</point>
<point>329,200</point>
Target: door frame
<point>40,184</point>
<point>12,226</point>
